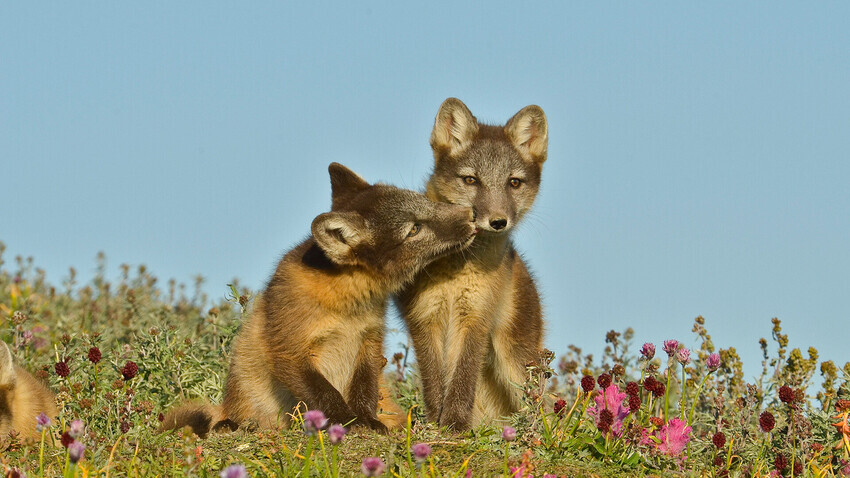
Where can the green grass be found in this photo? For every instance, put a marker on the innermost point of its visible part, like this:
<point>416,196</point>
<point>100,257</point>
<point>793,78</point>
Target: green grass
<point>180,341</point>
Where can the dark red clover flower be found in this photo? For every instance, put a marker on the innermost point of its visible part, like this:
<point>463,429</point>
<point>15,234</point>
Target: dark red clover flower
<point>604,380</point>
<point>94,355</point>
<point>786,394</point>
<point>649,383</point>
<point>634,402</point>
<point>588,383</point>
<point>659,389</point>
<point>66,439</point>
<point>719,439</point>
<point>559,406</point>
<point>130,370</point>
<point>62,369</point>
<point>780,462</point>
<point>632,388</point>
<point>767,421</point>
<point>606,419</point>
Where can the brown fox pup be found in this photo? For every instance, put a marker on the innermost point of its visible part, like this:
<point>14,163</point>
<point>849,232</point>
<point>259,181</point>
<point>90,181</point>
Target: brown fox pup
<point>22,398</point>
<point>316,333</point>
<point>474,316</point>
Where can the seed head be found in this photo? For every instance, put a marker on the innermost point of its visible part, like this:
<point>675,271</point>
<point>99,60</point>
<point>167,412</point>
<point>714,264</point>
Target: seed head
<point>421,451</point>
<point>588,383</point>
<point>234,471</point>
<point>314,420</point>
<point>786,394</point>
<point>76,451</point>
<point>62,369</point>
<point>125,426</point>
<point>647,351</point>
<point>130,370</point>
<point>94,355</point>
<point>670,346</point>
<point>336,433</point>
<point>767,421</point>
<point>604,380</point>
<point>618,370</point>
<point>373,466</point>
<point>719,439</point>
<point>509,433</point>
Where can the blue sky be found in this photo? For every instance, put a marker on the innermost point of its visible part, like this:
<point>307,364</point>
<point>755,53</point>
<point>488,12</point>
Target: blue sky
<point>698,159</point>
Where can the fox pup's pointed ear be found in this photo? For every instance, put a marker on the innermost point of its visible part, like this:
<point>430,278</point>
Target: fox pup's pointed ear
<point>344,182</point>
<point>339,234</point>
<point>529,133</point>
<point>7,368</point>
<point>454,128</point>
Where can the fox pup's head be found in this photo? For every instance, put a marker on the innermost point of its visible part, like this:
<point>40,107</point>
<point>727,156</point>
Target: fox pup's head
<point>493,169</point>
<point>393,232</point>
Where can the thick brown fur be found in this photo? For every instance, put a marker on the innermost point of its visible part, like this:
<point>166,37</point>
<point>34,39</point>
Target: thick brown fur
<point>315,334</point>
<point>474,316</point>
<point>22,398</point>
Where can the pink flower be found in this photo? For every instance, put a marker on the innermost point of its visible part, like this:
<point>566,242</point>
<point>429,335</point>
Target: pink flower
<point>683,355</point>
<point>670,346</point>
<point>648,351</point>
<point>674,436</point>
<point>712,362</point>
<point>612,400</point>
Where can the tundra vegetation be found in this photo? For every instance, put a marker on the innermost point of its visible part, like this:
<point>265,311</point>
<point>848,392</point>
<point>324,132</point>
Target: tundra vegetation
<point>119,354</point>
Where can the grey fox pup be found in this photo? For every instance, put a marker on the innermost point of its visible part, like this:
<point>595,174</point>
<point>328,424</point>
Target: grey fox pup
<point>316,333</point>
<point>22,398</point>
<point>474,316</point>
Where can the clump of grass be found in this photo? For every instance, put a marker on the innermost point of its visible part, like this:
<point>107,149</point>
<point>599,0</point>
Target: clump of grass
<point>119,354</point>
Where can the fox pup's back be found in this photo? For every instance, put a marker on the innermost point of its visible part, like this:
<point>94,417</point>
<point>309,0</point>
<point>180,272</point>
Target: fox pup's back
<point>22,398</point>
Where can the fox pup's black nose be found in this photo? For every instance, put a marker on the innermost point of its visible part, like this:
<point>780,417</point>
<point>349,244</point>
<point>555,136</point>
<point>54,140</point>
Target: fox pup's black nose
<point>498,224</point>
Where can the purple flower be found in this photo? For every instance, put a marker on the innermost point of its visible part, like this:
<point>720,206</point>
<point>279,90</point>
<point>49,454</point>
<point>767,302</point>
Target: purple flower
<point>509,433</point>
<point>314,420</point>
<point>26,336</point>
<point>42,421</point>
<point>648,351</point>
<point>712,362</point>
<point>336,433</point>
<point>75,451</point>
<point>76,428</point>
<point>234,471</point>
<point>611,400</point>
<point>373,466</point>
<point>670,346</point>
<point>421,451</point>
<point>683,355</point>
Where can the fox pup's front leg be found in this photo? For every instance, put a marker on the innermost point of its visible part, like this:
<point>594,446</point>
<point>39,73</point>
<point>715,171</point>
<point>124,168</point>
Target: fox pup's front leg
<point>468,353</point>
<point>427,344</point>
<point>363,391</point>
<point>308,384</point>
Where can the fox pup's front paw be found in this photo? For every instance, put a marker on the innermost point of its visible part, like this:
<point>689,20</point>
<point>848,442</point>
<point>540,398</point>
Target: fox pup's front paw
<point>372,423</point>
<point>454,421</point>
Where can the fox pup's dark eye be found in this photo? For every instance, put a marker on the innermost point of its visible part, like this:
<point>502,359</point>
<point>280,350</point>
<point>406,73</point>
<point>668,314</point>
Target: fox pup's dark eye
<point>470,180</point>
<point>414,230</point>
<point>515,183</point>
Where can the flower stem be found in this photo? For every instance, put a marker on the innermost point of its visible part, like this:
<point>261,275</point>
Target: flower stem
<point>667,394</point>
<point>696,399</point>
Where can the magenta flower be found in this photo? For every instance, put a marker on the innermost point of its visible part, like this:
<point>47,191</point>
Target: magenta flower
<point>336,433</point>
<point>234,471</point>
<point>509,433</point>
<point>76,451</point>
<point>648,351</point>
<point>373,466</point>
<point>421,451</point>
<point>712,362</point>
<point>670,346</point>
<point>42,421</point>
<point>683,356</point>
<point>314,420</point>
<point>674,437</point>
<point>612,400</point>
